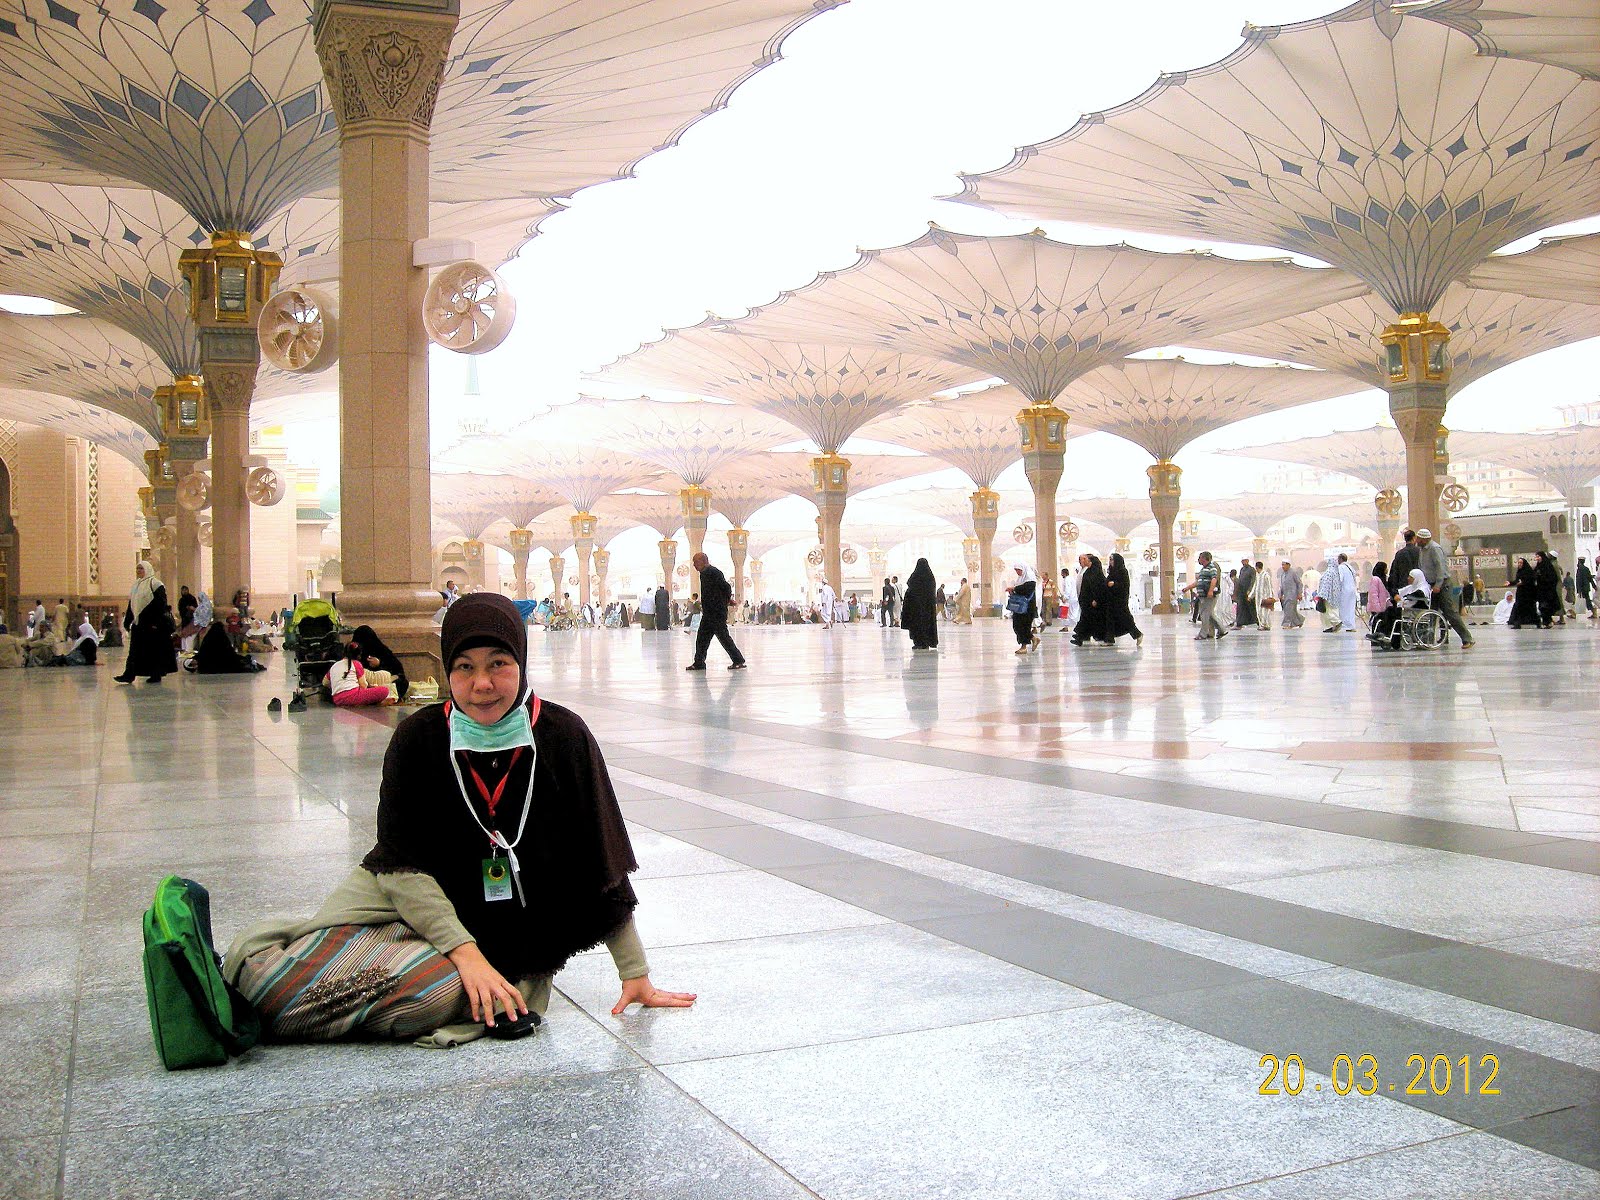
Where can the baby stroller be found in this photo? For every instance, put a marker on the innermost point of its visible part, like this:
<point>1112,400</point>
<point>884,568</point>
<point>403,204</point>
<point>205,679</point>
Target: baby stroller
<point>314,630</point>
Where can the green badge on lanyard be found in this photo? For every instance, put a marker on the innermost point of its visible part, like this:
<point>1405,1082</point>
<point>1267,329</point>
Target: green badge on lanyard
<point>496,879</point>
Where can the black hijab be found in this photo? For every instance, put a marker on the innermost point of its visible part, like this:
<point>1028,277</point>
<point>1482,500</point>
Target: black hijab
<point>216,655</point>
<point>372,647</point>
<point>1092,582</point>
<point>920,582</point>
<point>575,856</point>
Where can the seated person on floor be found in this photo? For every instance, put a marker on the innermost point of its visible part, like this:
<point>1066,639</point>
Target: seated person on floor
<point>383,666</point>
<point>501,853</point>
<point>216,655</point>
<point>352,686</point>
<point>80,648</point>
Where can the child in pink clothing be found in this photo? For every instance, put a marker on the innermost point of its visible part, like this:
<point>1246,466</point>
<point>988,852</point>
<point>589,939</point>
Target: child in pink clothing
<point>345,681</point>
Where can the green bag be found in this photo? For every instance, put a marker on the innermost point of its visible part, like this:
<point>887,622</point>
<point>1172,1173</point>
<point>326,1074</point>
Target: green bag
<point>197,1017</point>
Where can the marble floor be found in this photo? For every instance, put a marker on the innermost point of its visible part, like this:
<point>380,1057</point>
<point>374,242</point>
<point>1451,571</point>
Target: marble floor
<point>962,925</point>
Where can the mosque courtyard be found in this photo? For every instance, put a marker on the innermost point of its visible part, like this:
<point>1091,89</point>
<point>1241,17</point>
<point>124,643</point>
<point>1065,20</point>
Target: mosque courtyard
<point>961,924</point>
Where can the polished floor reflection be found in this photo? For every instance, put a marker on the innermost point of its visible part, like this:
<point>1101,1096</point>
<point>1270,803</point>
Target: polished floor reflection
<point>962,924</point>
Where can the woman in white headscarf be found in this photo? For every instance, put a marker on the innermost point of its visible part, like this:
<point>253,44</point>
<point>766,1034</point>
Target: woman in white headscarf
<point>1022,602</point>
<point>150,628</point>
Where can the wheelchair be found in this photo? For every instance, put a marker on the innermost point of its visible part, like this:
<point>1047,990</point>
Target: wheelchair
<point>1410,629</point>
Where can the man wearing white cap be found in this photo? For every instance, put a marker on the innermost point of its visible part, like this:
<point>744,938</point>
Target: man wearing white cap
<point>1436,570</point>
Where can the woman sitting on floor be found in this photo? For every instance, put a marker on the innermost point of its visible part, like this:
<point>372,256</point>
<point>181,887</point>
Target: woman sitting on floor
<point>216,655</point>
<point>384,668</point>
<point>80,649</point>
<point>501,853</point>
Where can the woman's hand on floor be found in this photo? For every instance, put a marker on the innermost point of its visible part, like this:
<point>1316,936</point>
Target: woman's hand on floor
<point>642,991</point>
<point>485,987</point>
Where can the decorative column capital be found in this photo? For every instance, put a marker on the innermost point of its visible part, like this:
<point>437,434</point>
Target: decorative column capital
<point>1416,349</point>
<point>228,282</point>
<point>185,416</point>
<point>231,387</point>
<point>1164,478</point>
<point>696,506</point>
<point>602,561</point>
<point>473,548</point>
<point>986,507</point>
<point>383,62</point>
<point>1043,428</point>
<point>521,540</point>
<point>667,546</point>
<point>583,525</point>
<point>738,541</point>
<point>830,477</point>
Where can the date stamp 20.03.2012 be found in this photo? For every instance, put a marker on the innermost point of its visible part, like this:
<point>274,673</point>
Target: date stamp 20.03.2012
<point>1424,1075</point>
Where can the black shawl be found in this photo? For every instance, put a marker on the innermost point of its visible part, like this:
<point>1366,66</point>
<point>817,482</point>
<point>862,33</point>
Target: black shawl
<point>372,647</point>
<point>150,648</point>
<point>575,855</point>
<point>1525,608</point>
<point>1547,583</point>
<point>216,655</point>
<point>1119,617</point>
<point>917,616</point>
<point>1094,604</point>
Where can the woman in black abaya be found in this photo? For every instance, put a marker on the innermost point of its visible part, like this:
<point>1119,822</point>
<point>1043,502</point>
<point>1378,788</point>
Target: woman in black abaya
<point>1094,604</point>
<point>375,656</point>
<point>150,626</point>
<point>918,615</point>
<point>1525,608</point>
<point>1119,616</point>
<point>1547,589</point>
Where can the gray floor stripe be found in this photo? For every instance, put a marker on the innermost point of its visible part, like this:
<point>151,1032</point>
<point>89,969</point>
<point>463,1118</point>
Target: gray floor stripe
<point>1532,986</point>
<point>1510,845</point>
<point>1542,1102</point>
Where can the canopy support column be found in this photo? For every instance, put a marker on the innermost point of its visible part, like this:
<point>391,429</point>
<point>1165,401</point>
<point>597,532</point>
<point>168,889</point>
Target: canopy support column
<point>1417,360</point>
<point>1165,495</point>
<point>583,524</point>
<point>738,550</point>
<point>696,514</point>
<point>521,544</point>
<point>1044,444</point>
<point>382,64</point>
<point>985,520</point>
<point>669,561</point>
<point>602,567</point>
<point>830,481</point>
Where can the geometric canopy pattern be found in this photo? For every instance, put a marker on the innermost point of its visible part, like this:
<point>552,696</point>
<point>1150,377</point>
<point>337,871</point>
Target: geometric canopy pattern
<point>690,439</point>
<point>74,418</point>
<point>1564,33</point>
<point>1380,143</point>
<point>976,433</point>
<point>1120,514</point>
<point>472,503</point>
<point>84,360</point>
<point>1376,456</point>
<point>791,470</point>
<point>1260,511</point>
<point>109,252</point>
<point>1569,461</point>
<point>1558,268</point>
<point>1034,312</point>
<point>1163,404</point>
<point>223,108</point>
<point>579,474</point>
<point>826,391</point>
<point>1488,330</point>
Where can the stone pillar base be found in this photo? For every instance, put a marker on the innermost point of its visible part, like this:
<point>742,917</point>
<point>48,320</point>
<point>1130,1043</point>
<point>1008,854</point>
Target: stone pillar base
<point>1163,610</point>
<point>403,618</point>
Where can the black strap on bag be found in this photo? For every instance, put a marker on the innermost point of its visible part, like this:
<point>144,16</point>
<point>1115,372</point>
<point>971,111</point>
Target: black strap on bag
<point>184,970</point>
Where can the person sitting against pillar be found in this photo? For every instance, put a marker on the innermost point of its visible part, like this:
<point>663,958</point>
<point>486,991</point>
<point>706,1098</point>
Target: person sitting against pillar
<point>501,852</point>
<point>148,620</point>
<point>352,686</point>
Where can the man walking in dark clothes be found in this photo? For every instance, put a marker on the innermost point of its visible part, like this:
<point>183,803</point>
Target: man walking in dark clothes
<point>715,595</point>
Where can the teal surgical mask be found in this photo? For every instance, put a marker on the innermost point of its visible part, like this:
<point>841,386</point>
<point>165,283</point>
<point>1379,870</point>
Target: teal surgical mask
<point>510,731</point>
